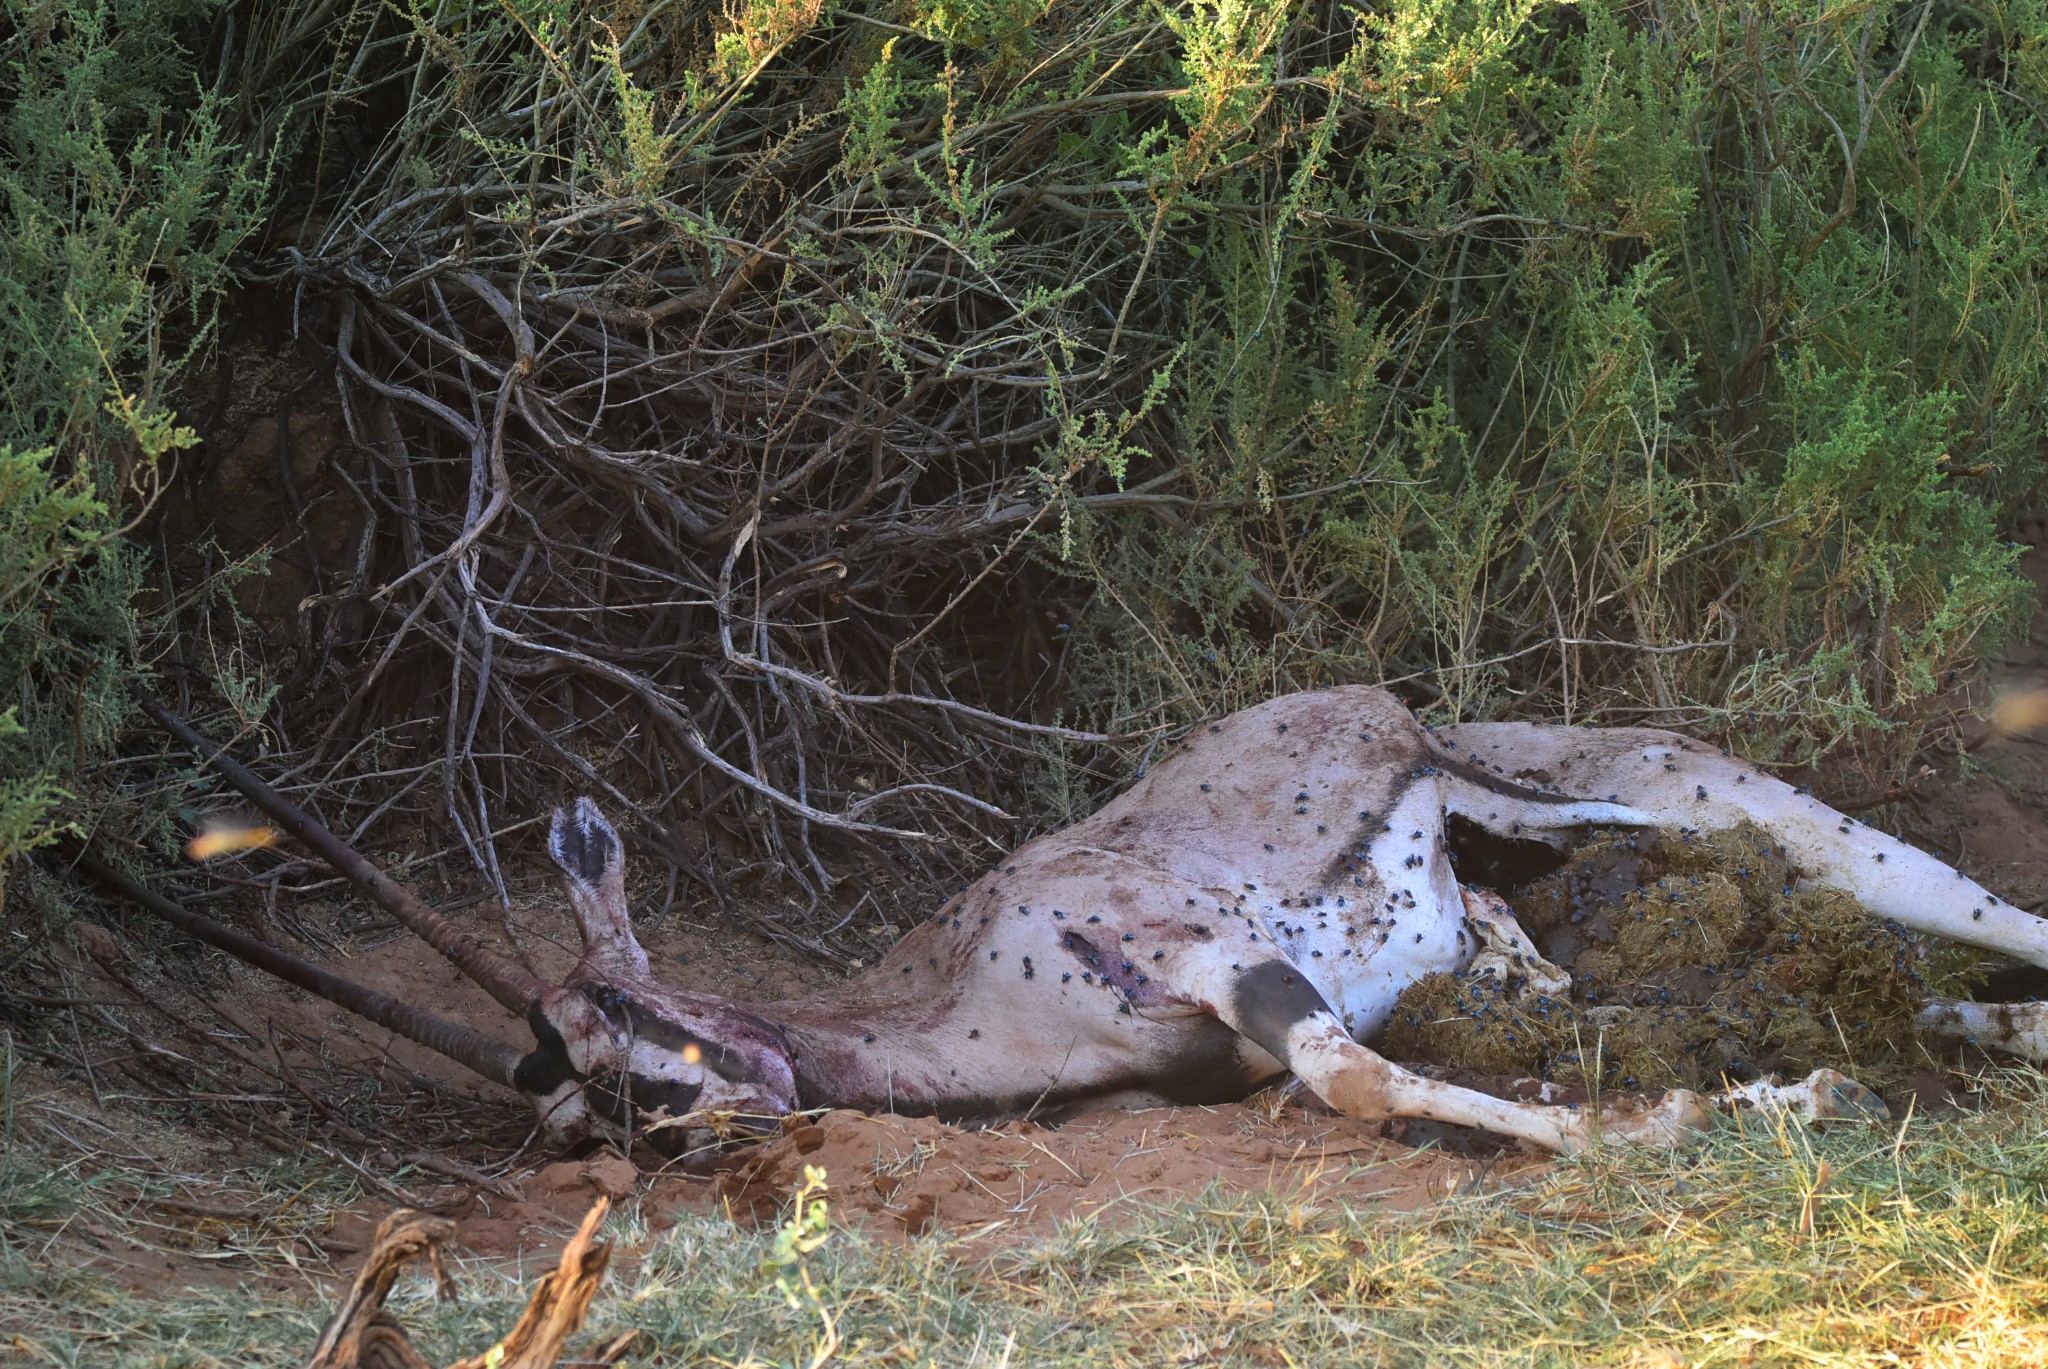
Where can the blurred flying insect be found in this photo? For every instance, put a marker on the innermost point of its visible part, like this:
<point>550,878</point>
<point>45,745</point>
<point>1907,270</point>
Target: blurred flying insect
<point>2021,711</point>
<point>228,834</point>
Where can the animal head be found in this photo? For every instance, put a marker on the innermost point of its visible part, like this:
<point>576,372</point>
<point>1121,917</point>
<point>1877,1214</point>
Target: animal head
<point>621,1056</point>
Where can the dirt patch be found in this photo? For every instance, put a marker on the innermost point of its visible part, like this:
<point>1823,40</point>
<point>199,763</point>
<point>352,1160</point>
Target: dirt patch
<point>894,1178</point>
<point>912,1175</point>
<point>901,1178</point>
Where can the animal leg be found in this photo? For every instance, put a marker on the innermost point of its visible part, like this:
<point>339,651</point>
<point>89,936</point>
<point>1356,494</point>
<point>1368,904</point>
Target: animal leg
<point>1656,778</point>
<point>1359,1083</point>
<point>1276,1007</point>
<point>1374,1087</point>
<point>1505,950</point>
<point>2017,1028</point>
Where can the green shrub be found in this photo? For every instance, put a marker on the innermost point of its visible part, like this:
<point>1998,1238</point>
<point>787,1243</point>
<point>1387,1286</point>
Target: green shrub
<point>1714,336</point>
<point>120,203</point>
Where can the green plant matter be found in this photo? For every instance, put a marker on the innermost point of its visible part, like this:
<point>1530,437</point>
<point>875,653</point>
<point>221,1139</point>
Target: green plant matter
<point>120,205</point>
<point>1693,959</point>
<point>767,381</point>
<point>1630,365</point>
<point>1763,1243</point>
<point>808,1228</point>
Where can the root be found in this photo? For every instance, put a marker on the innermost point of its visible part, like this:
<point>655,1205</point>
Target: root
<point>362,1335</point>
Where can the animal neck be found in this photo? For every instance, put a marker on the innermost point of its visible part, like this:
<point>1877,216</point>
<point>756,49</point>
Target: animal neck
<point>872,1044</point>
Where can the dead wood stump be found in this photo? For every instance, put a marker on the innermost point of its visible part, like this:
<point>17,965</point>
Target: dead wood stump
<point>362,1335</point>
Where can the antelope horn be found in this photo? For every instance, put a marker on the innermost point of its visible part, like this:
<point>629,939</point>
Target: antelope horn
<point>503,979</point>
<point>484,1055</point>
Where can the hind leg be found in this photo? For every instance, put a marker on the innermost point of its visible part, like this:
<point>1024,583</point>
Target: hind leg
<point>1825,1095</point>
<point>1656,778</point>
<point>1359,1083</point>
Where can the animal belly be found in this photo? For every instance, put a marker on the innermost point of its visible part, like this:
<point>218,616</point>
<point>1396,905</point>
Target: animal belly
<point>1363,966</point>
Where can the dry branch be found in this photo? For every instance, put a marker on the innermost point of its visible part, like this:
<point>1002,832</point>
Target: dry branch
<point>362,1335</point>
<point>511,985</point>
<point>728,485</point>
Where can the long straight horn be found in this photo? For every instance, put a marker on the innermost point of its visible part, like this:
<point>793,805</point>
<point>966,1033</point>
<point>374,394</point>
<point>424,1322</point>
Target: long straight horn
<point>503,979</point>
<point>484,1055</point>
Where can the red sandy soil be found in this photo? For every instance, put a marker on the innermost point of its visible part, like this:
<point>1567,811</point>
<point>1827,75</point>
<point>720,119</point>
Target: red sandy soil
<point>904,1177</point>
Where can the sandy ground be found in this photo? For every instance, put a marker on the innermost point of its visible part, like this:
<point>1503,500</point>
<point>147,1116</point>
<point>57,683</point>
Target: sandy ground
<point>1994,823</point>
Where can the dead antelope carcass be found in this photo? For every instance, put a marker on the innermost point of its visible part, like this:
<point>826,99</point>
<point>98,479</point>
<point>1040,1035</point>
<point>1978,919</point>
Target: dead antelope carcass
<point>1253,905</point>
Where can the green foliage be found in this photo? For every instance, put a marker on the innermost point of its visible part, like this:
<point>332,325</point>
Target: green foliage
<point>757,31</point>
<point>644,149</point>
<point>1680,371</point>
<point>789,1260</point>
<point>120,202</point>
<point>1677,371</point>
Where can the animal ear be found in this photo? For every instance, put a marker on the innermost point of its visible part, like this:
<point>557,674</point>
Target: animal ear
<point>588,850</point>
<point>583,843</point>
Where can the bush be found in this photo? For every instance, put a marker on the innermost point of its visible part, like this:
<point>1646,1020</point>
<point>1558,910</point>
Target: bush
<point>1626,367</point>
<point>767,389</point>
<point>120,204</point>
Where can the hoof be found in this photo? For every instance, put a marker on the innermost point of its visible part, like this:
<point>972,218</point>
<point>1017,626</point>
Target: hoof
<point>1838,1098</point>
<point>1823,1096</point>
<point>1678,1115</point>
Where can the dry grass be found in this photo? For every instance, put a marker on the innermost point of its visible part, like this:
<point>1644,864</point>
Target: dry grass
<point>1920,1243</point>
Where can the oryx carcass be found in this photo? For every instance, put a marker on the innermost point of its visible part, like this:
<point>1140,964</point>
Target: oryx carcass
<point>1253,905</point>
